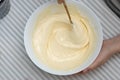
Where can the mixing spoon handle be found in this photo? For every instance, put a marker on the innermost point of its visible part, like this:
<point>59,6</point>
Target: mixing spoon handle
<point>66,8</point>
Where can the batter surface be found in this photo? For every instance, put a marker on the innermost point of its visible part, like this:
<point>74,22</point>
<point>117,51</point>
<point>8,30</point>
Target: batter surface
<point>59,44</point>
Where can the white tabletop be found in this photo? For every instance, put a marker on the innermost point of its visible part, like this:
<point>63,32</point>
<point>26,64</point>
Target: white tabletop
<point>16,65</point>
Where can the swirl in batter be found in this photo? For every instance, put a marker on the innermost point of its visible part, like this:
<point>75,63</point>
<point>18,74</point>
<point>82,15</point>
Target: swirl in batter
<point>60,45</point>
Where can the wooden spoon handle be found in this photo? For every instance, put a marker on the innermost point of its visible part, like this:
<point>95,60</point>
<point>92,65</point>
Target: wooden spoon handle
<point>66,8</point>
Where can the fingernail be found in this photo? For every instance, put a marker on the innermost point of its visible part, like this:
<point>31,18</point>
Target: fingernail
<point>81,72</point>
<point>86,70</point>
<point>77,73</point>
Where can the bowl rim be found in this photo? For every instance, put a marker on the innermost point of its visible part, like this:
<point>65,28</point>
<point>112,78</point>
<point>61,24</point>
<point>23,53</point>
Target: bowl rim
<point>29,49</point>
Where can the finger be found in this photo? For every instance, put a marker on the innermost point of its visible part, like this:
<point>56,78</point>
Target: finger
<point>79,73</point>
<point>95,64</point>
<point>92,66</point>
<point>60,1</point>
<point>99,61</point>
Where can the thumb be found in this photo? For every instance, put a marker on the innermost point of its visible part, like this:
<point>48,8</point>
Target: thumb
<point>94,65</point>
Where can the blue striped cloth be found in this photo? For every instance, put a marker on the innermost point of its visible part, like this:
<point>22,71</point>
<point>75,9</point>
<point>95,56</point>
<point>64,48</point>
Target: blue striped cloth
<point>16,65</point>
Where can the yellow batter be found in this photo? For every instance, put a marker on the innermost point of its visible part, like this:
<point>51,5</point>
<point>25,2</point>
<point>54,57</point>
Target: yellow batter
<point>60,45</point>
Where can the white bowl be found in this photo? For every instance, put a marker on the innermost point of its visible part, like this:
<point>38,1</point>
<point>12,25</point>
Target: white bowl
<point>30,27</point>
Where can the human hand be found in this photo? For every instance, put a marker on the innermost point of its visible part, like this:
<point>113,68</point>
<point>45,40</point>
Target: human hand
<point>60,1</point>
<point>110,47</point>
